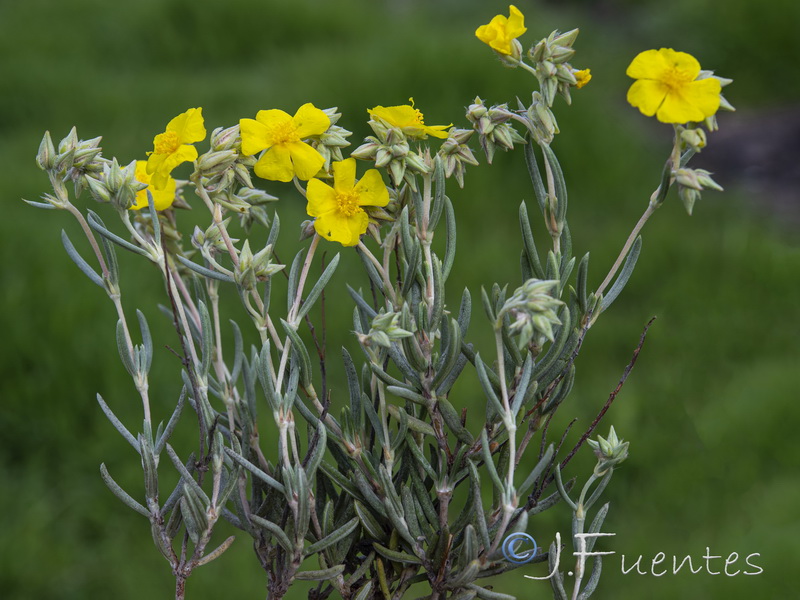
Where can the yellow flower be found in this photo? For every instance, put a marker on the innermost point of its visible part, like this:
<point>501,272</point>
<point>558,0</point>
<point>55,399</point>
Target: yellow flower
<point>337,210</point>
<point>409,120</point>
<point>173,147</point>
<point>583,77</point>
<point>162,198</point>
<point>667,86</point>
<point>281,135</point>
<point>501,31</point>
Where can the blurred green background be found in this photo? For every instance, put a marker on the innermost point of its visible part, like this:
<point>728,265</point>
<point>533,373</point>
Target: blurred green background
<point>711,409</point>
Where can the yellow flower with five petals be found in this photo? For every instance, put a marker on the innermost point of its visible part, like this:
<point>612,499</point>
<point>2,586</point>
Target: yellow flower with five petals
<point>174,146</point>
<point>162,198</point>
<point>408,119</point>
<point>281,135</point>
<point>501,32</point>
<point>668,87</point>
<point>338,212</point>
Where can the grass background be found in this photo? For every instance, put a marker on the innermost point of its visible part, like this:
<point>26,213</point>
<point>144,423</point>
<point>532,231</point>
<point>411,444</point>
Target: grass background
<point>711,409</point>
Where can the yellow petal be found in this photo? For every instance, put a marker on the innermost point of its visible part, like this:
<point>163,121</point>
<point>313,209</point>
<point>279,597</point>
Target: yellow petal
<point>335,227</point>
<point>371,190</point>
<point>321,198</point>
<point>189,126</point>
<point>305,160</point>
<point>344,175</point>
<point>655,64</point>
<point>437,131</point>
<point>154,162</point>
<point>647,95</point>
<point>515,26</point>
<point>397,116</point>
<point>274,120</point>
<point>254,136</point>
<point>650,64</point>
<point>162,199</point>
<point>693,102</point>
<point>275,164</point>
<point>309,120</point>
<point>185,153</point>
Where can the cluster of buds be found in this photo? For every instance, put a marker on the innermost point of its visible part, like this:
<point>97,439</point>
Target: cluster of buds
<point>710,123</point>
<point>493,127</point>
<point>210,241</point>
<point>540,120</point>
<point>609,452</point>
<point>455,154</point>
<point>75,160</point>
<point>691,182</point>
<point>389,148</point>
<point>115,184</point>
<point>386,329</point>
<point>534,310</point>
<point>330,143</point>
<point>551,64</point>
<point>224,164</point>
<point>253,268</point>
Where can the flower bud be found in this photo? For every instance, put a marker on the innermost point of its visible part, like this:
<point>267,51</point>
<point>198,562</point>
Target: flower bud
<point>46,157</point>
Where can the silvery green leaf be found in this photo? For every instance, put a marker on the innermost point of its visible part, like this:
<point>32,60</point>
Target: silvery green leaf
<point>438,291</point>
<point>320,575</point>
<point>401,362</point>
<point>216,553</point>
<point>488,308</point>
<point>333,537</point>
<point>369,522</point>
<point>97,224</point>
<point>533,476</point>
<point>147,341</point>
<point>203,270</point>
<point>624,275</point>
<point>485,594</point>
<point>522,386</point>
<point>420,460</point>
<point>395,555</point>
<point>368,494</point>
<point>270,481</point>
<point>371,271</point>
<point>581,283</point>
<point>363,592</point>
<point>414,424</point>
<point>151,207</point>
<point>560,184</point>
<point>489,463</point>
<point>450,241</point>
<point>118,424</point>
<point>124,351</point>
<point>122,494</point>
<point>44,205</point>
<point>340,479</point>
<point>438,192</point>
<point>361,569</point>
<point>318,451</point>
<point>531,253</point>
<point>300,351</point>
<point>317,289</point>
<point>400,437</point>
<point>192,526</point>
<point>447,383</point>
<point>275,530</point>
<point>488,388</point>
<point>545,370</point>
<point>422,497</point>
<point>536,177</point>
<point>453,420</point>
<point>594,579</point>
<point>406,236</point>
<point>238,351</point>
<point>407,394</point>
<point>363,306</point>
<point>551,500</point>
<point>294,276</point>
<point>188,480</point>
<point>386,378</point>
<point>79,260</point>
<point>597,523</point>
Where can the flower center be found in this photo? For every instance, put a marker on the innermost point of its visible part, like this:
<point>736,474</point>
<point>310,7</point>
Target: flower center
<point>167,142</point>
<point>676,78</point>
<point>283,133</point>
<point>347,203</point>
